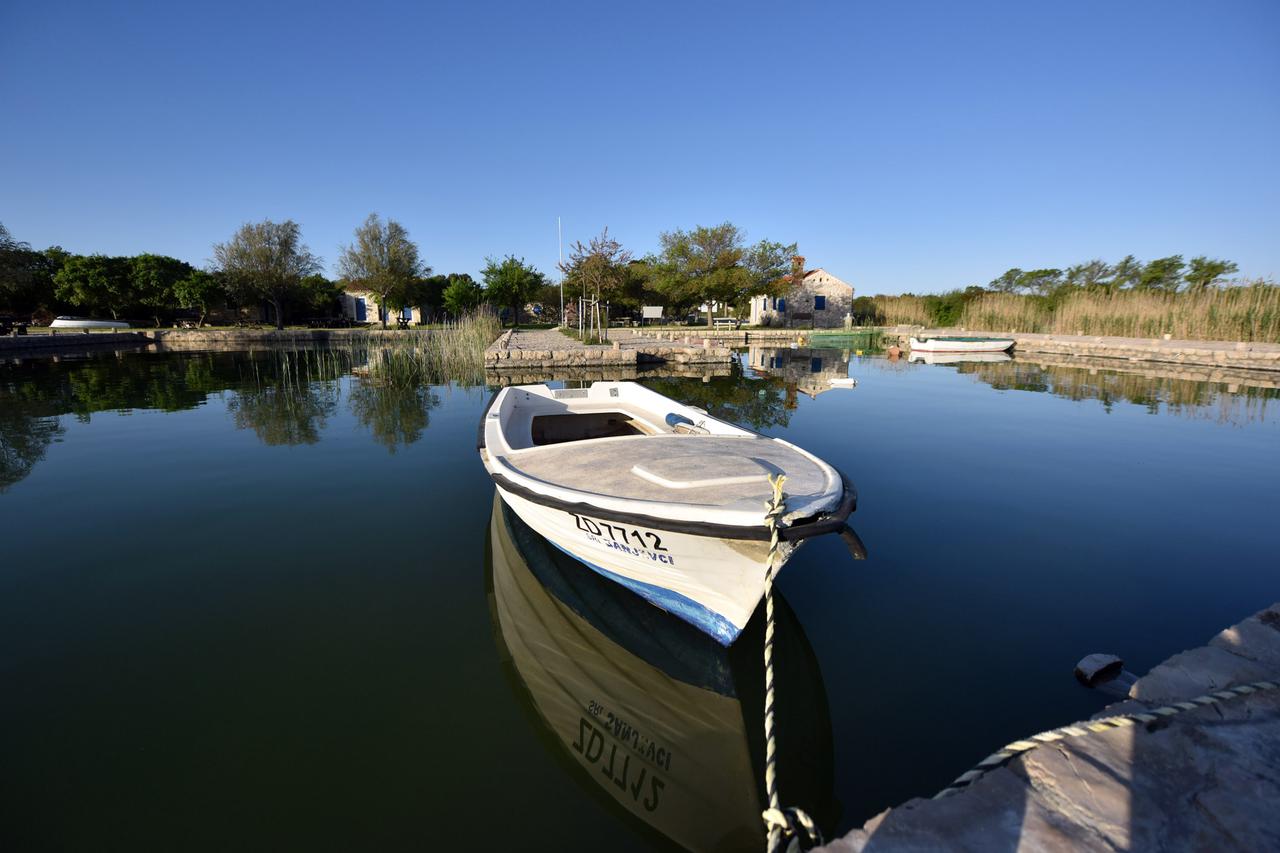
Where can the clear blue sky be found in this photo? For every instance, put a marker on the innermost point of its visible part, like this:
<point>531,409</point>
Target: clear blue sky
<point>905,146</point>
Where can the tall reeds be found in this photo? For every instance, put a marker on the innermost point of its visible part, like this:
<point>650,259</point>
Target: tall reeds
<point>1247,312</point>
<point>1250,313</point>
<point>454,352</point>
<point>902,310</point>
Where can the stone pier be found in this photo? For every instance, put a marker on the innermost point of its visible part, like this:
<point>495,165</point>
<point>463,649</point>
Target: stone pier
<point>549,348</point>
<point>1206,779</point>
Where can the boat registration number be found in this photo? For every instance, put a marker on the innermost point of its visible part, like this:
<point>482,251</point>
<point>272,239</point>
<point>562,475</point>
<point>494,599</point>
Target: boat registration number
<point>632,540</point>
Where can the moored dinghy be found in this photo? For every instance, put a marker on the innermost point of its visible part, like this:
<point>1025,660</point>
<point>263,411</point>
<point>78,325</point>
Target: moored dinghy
<point>656,495</point>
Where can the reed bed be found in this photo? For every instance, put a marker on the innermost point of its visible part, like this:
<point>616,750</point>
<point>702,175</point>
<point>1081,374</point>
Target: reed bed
<point>1006,312</point>
<point>453,352</point>
<point>1242,312</point>
<point>1249,313</point>
<point>902,310</point>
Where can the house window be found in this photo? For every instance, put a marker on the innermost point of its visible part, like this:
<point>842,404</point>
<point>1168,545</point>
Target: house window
<point>815,365</point>
<point>776,362</point>
<point>406,313</point>
<point>819,303</point>
<point>782,305</point>
<point>362,309</point>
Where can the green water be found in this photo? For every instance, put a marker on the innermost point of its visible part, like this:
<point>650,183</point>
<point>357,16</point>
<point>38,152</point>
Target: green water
<point>247,600</point>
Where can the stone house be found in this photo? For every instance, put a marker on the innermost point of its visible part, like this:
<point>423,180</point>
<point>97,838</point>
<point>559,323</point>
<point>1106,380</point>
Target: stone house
<point>361,306</point>
<point>819,301</point>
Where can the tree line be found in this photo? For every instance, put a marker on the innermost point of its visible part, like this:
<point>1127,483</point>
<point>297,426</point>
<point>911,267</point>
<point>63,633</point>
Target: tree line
<point>262,264</point>
<point>1046,289</point>
<point>268,264</point>
<point>1167,275</point>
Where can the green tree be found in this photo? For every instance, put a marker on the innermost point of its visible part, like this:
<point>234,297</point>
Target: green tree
<point>319,295</point>
<point>431,289</point>
<point>713,264</point>
<point>385,261</point>
<point>1162,274</point>
<point>26,275</point>
<point>199,290</point>
<point>865,312</point>
<point>598,270</point>
<point>1203,272</point>
<point>461,295</point>
<point>96,283</point>
<point>152,279</point>
<point>1126,273</point>
<point>1090,275</point>
<point>1042,282</point>
<point>767,263</point>
<point>1008,282</point>
<point>268,260</point>
<point>511,282</point>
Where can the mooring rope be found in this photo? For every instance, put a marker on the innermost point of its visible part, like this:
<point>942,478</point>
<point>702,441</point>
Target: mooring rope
<point>1020,747</point>
<point>781,823</point>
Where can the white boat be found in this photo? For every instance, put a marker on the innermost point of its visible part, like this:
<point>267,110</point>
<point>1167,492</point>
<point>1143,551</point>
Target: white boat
<point>958,357</point>
<point>85,323</point>
<point>659,496</point>
<point>652,714</point>
<point>844,382</point>
<point>960,344</point>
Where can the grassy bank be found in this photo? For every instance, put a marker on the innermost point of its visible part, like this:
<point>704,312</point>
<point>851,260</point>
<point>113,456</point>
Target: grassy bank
<point>1246,313</point>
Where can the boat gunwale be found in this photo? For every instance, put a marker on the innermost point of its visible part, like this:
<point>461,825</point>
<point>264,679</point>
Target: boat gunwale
<point>827,522</point>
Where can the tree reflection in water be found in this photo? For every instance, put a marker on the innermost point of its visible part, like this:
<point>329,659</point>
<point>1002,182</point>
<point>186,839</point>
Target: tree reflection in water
<point>396,413</point>
<point>289,397</point>
<point>285,396</point>
<point>759,402</point>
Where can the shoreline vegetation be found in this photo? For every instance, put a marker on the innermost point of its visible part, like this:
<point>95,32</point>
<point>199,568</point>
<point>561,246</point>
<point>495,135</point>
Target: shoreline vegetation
<point>1248,313</point>
<point>1187,300</point>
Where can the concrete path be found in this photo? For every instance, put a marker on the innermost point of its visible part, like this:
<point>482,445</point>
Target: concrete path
<point>1207,779</point>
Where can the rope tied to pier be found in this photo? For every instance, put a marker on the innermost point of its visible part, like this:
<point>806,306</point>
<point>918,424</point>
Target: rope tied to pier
<point>1102,724</point>
<point>780,823</point>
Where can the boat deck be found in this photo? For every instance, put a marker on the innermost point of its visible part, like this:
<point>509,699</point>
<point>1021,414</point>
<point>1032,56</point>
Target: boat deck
<point>724,472</point>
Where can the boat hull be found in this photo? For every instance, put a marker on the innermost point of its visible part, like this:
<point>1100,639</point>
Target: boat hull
<point>62,323</point>
<point>955,345</point>
<point>714,583</point>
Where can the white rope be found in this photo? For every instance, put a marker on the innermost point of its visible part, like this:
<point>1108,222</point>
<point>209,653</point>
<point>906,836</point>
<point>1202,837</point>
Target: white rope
<point>780,823</point>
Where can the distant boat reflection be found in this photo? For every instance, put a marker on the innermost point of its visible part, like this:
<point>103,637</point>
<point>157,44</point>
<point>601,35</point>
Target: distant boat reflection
<point>661,717</point>
<point>917,357</point>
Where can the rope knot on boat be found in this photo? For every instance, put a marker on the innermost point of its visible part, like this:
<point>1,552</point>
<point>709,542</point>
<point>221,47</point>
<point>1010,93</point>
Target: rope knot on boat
<point>789,823</point>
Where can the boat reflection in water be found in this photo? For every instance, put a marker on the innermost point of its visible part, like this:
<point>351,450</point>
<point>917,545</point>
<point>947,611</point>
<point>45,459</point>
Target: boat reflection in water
<point>658,715</point>
<point>919,357</point>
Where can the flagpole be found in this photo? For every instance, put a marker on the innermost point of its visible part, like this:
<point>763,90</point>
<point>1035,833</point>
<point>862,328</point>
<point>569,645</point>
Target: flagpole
<point>560,240</point>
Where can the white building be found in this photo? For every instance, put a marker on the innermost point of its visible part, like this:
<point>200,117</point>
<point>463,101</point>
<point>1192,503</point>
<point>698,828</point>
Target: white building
<point>361,306</point>
<point>820,301</point>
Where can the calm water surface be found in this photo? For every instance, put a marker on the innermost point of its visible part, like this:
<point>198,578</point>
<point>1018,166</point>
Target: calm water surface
<point>263,601</point>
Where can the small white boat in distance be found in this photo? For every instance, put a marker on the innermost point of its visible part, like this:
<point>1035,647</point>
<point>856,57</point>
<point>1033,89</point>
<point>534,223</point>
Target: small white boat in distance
<point>843,382</point>
<point>84,323</point>
<point>962,344</point>
<point>659,496</point>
